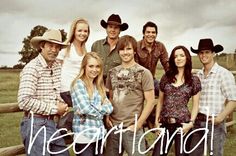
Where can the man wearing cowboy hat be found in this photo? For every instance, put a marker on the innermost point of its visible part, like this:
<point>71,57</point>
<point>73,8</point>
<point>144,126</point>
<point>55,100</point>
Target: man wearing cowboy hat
<point>39,97</point>
<point>106,48</point>
<point>217,100</point>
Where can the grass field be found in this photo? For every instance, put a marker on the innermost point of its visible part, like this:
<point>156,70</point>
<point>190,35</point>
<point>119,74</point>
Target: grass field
<point>9,123</point>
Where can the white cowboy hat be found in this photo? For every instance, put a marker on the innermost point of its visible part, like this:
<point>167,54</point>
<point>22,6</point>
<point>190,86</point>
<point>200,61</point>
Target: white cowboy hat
<point>53,36</point>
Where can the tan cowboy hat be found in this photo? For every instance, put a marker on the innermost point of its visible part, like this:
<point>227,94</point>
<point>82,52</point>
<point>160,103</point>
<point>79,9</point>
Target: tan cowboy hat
<point>53,36</point>
<point>207,44</point>
<point>116,20</point>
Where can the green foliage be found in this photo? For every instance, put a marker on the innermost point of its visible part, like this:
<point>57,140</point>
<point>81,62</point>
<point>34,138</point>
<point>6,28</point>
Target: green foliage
<point>18,66</point>
<point>5,67</point>
<point>28,52</point>
<point>9,83</point>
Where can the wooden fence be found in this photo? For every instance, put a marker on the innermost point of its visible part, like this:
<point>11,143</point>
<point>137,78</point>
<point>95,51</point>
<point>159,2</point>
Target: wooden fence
<point>19,149</point>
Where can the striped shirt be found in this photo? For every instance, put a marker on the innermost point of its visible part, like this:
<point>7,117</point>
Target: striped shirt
<point>217,86</point>
<point>93,109</point>
<point>39,87</point>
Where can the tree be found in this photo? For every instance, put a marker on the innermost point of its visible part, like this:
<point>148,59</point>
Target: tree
<point>28,52</point>
<point>18,66</point>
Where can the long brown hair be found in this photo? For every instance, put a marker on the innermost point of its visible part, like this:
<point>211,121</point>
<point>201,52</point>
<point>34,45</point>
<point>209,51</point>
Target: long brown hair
<point>71,35</point>
<point>173,70</point>
<point>98,81</point>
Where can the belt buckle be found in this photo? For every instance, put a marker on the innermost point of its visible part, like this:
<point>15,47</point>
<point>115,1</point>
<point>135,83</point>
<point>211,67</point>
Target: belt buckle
<point>171,120</point>
<point>50,117</point>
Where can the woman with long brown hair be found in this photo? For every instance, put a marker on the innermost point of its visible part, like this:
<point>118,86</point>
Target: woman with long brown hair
<point>177,86</point>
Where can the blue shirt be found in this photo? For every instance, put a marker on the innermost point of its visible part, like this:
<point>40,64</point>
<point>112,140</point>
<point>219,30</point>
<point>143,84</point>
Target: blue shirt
<point>93,110</point>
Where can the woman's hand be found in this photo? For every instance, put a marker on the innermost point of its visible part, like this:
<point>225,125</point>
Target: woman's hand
<point>108,122</point>
<point>158,125</point>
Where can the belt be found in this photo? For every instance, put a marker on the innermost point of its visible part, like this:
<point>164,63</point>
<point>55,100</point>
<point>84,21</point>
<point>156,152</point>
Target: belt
<point>48,117</point>
<point>169,120</point>
<point>202,117</point>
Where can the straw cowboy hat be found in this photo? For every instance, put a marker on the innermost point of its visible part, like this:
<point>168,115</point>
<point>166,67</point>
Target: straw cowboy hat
<point>53,36</point>
<point>116,20</point>
<point>207,44</point>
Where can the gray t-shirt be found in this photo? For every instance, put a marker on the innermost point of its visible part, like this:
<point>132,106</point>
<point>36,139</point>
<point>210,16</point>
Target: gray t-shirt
<point>128,86</point>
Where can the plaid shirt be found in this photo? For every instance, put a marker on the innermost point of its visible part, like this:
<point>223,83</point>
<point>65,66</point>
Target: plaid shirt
<point>93,109</point>
<point>217,86</point>
<point>39,87</point>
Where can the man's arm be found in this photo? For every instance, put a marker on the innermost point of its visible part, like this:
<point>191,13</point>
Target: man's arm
<point>229,108</point>
<point>149,97</point>
<point>108,120</point>
<point>229,91</point>
<point>159,107</point>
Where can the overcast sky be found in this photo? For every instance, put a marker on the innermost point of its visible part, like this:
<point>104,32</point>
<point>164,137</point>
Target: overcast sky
<point>179,21</point>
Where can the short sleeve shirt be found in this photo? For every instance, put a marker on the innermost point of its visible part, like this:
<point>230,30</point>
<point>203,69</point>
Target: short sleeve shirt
<point>128,86</point>
<point>176,99</point>
<point>217,86</point>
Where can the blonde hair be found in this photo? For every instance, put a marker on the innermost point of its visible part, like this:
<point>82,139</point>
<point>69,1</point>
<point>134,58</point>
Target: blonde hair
<point>71,35</point>
<point>98,81</point>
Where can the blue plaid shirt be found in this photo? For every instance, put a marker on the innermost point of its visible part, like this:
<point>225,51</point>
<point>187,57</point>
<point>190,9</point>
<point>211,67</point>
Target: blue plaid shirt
<point>92,109</point>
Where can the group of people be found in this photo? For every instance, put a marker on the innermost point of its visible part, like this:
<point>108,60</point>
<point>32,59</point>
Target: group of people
<point>112,91</point>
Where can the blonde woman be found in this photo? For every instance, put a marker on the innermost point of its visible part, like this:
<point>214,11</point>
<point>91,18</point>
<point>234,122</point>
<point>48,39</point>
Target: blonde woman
<point>90,105</point>
<point>72,56</point>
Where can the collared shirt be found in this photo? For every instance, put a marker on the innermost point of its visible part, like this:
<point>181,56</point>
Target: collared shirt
<point>217,87</point>
<point>110,59</point>
<point>92,108</point>
<point>150,59</point>
<point>39,87</point>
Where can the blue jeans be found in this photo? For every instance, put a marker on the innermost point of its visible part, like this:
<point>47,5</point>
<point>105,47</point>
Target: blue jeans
<point>38,144</point>
<point>90,150</point>
<point>171,128</point>
<point>113,142</point>
<point>218,139</point>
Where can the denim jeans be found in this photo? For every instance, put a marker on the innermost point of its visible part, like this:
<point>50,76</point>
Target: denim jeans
<point>171,128</point>
<point>218,139</point>
<point>113,142</point>
<point>67,98</point>
<point>38,145</point>
<point>90,150</point>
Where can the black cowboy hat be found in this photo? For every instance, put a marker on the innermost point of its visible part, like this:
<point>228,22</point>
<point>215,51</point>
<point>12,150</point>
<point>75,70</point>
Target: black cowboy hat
<point>116,20</point>
<point>207,44</point>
